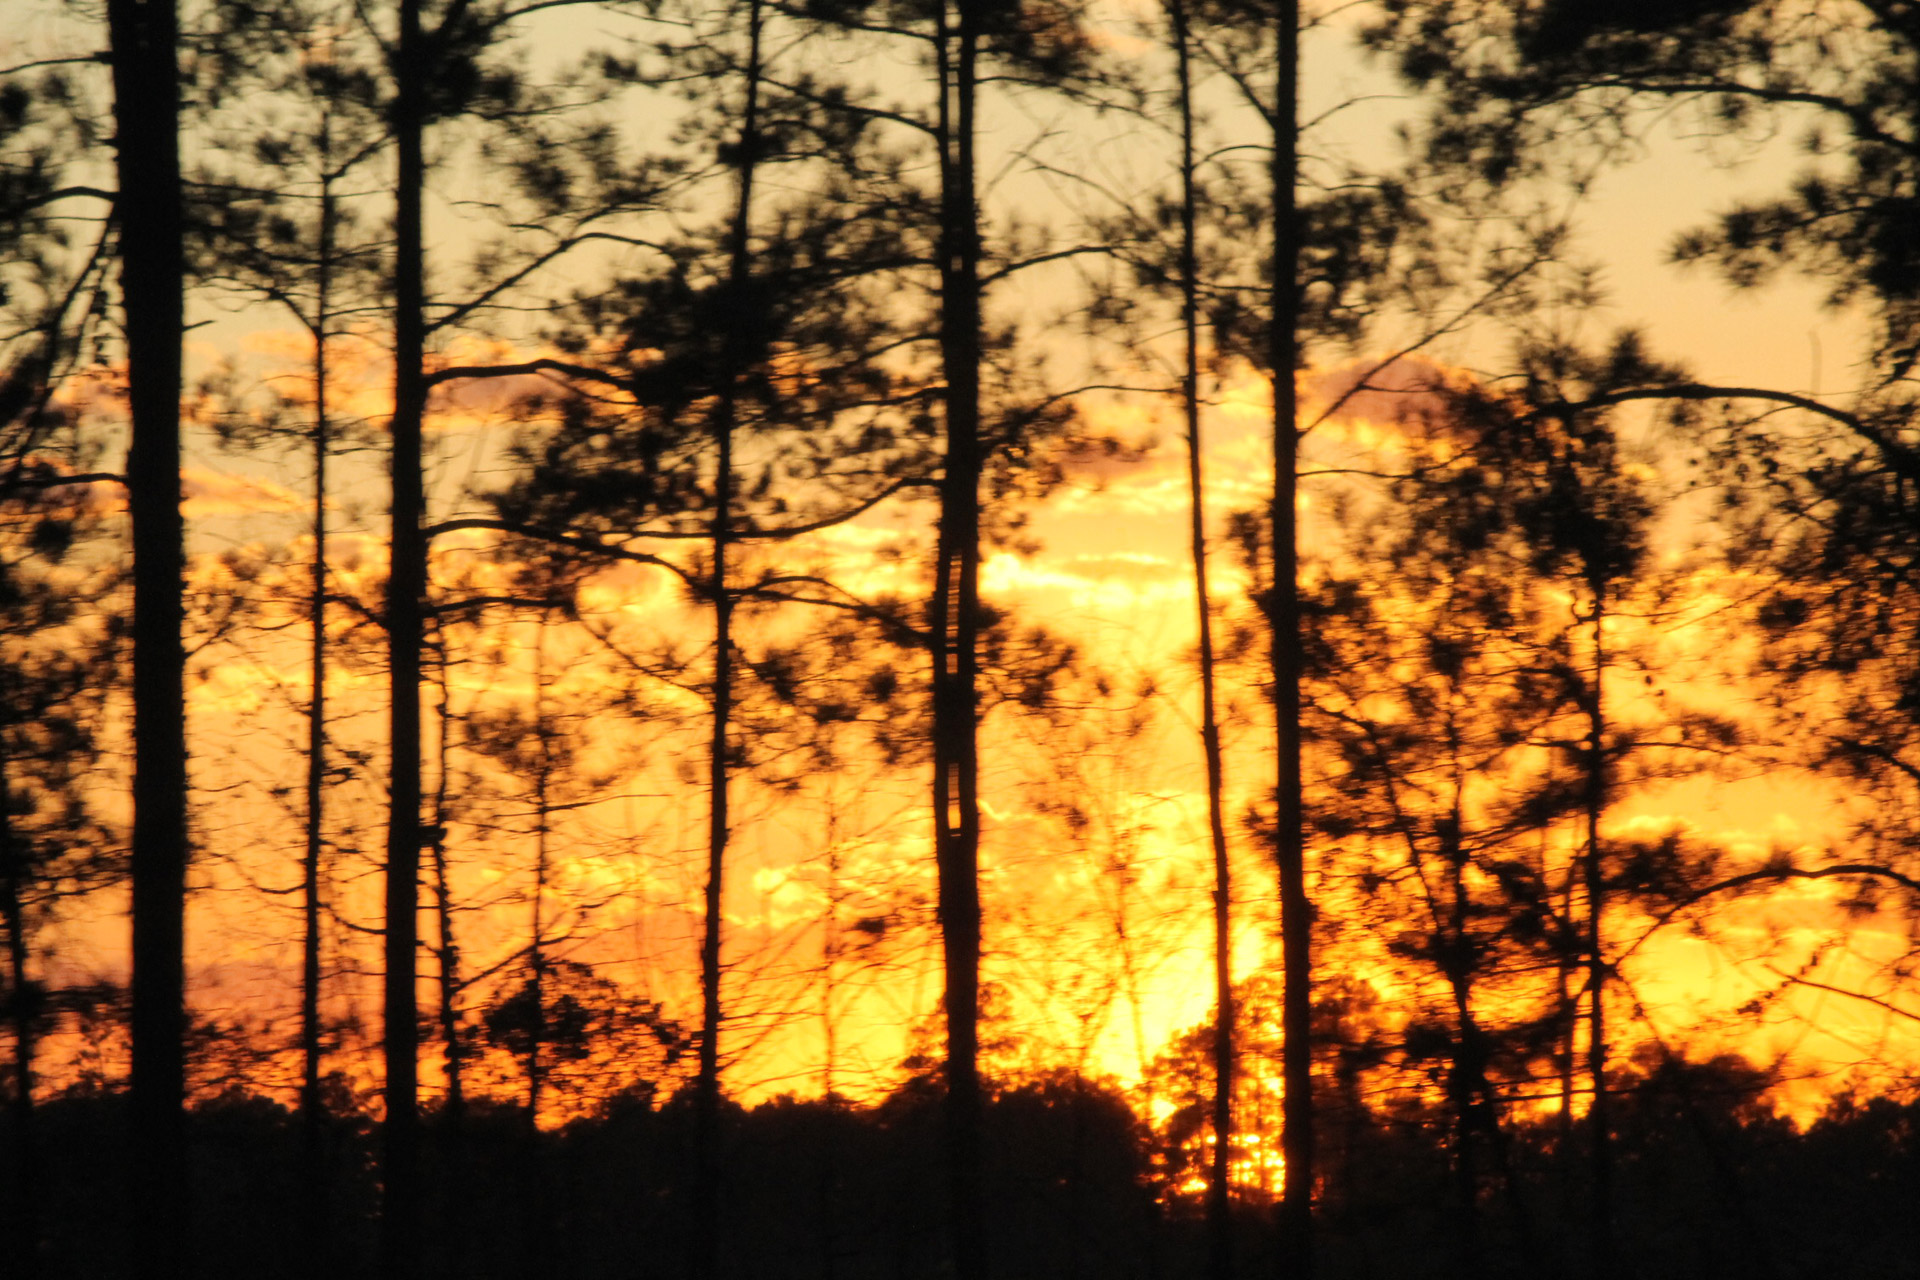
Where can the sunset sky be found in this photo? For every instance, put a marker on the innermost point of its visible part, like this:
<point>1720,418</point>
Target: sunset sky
<point>1109,573</point>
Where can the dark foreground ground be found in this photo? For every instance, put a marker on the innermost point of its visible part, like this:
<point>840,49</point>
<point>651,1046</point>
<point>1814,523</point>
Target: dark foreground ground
<point>1707,1184</point>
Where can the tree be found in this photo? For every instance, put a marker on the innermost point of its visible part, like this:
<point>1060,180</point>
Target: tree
<point>1816,486</point>
<point>738,345</point>
<point>571,182</point>
<point>1283,610</point>
<point>1034,46</point>
<point>548,1013</point>
<point>1313,285</point>
<point>62,635</point>
<point>53,302</point>
<point>1588,520</point>
<point>1437,673</point>
<point>1483,731</point>
<point>143,39</point>
<point>1817,489</point>
<point>753,404</point>
<point>275,226</point>
<point>1220,1173</point>
<point>406,590</point>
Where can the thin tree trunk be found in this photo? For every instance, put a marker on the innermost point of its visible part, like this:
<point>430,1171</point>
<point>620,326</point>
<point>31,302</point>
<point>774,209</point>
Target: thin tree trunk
<point>1565,1058</point>
<point>143,36</point>
<point>1464,1084</point>
<point>1130,980</point>
<point>539,1234</point>
<point>1465,1075</point>
<point>455,1231</point>
<point>406,587</point>
<point>542,853</point>
<point>1295,1253</point>
<point>313,1175</point>
<point>447,958</point>
<point>830,1036</point>
<point>1598,1117</point>
<point>1220,1173</point>
<point>707,1137</point>
<point>956,622</point>
<point>23,1233</point>
<point>447,952</point>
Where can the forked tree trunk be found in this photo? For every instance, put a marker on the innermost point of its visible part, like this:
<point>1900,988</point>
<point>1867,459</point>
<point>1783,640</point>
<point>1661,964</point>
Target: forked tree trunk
<point>143,35</point>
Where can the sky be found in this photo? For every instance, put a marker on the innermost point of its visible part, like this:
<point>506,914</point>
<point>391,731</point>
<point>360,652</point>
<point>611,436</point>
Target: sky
<point>1096,824</point>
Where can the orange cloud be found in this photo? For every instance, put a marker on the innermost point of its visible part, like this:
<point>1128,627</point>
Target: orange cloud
<point>209,493</point>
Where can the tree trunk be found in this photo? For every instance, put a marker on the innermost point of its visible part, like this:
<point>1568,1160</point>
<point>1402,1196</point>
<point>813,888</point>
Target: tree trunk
<point>708,1164</point>
<point>830,1058</point>
<point>143,36</point>
<point>955,632</point>
<point>22,1239</point>
<point>1463,1088</point>
<point>313,1174</point>
<point>1220,1173</point>
<point>406,586</point>
<point>457,1194</point>
<point>539,1206</point>
<point>542,854</point>
<point>1598,1118</point>
<point>446,952</point>
<point>1295,1253</point>
<point>1568,961</point>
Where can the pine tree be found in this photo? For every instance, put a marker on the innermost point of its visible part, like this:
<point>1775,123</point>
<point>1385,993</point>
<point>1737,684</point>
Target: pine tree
<point>962,43</point>
<point>272,217</point>
<point>143,39</point>
<point>557,169</point>
<point>60,636</point>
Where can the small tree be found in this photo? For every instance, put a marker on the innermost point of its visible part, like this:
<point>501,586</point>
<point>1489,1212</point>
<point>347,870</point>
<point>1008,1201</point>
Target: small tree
<point>60,638</point>
<point>270,221</point>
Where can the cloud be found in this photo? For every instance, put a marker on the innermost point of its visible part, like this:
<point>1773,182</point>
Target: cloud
<point>1132,566</point>
<point>206,493</point>
<point>1368,391</point>
<point>1119,583</point>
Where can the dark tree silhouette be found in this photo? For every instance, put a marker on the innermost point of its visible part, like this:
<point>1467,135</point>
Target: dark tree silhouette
<point>288,235</point>
<point>1816,483</point>
<point>960,42</point>
<point>400,1255</point>
<point>143,38</point>
<point>1283,608</point>
<point>1438,671</point>
<point>61,631</point>
<point>53,845</point>
<point>1220,1172</point>
<point>571,184</point>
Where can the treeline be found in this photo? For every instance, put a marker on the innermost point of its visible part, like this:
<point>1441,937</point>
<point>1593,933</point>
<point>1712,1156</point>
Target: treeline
<point>714,351</point>
<point>1711,1183</point>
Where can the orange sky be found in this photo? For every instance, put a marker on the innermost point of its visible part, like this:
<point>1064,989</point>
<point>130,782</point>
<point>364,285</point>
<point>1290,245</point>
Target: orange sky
<point>1112,576</point>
